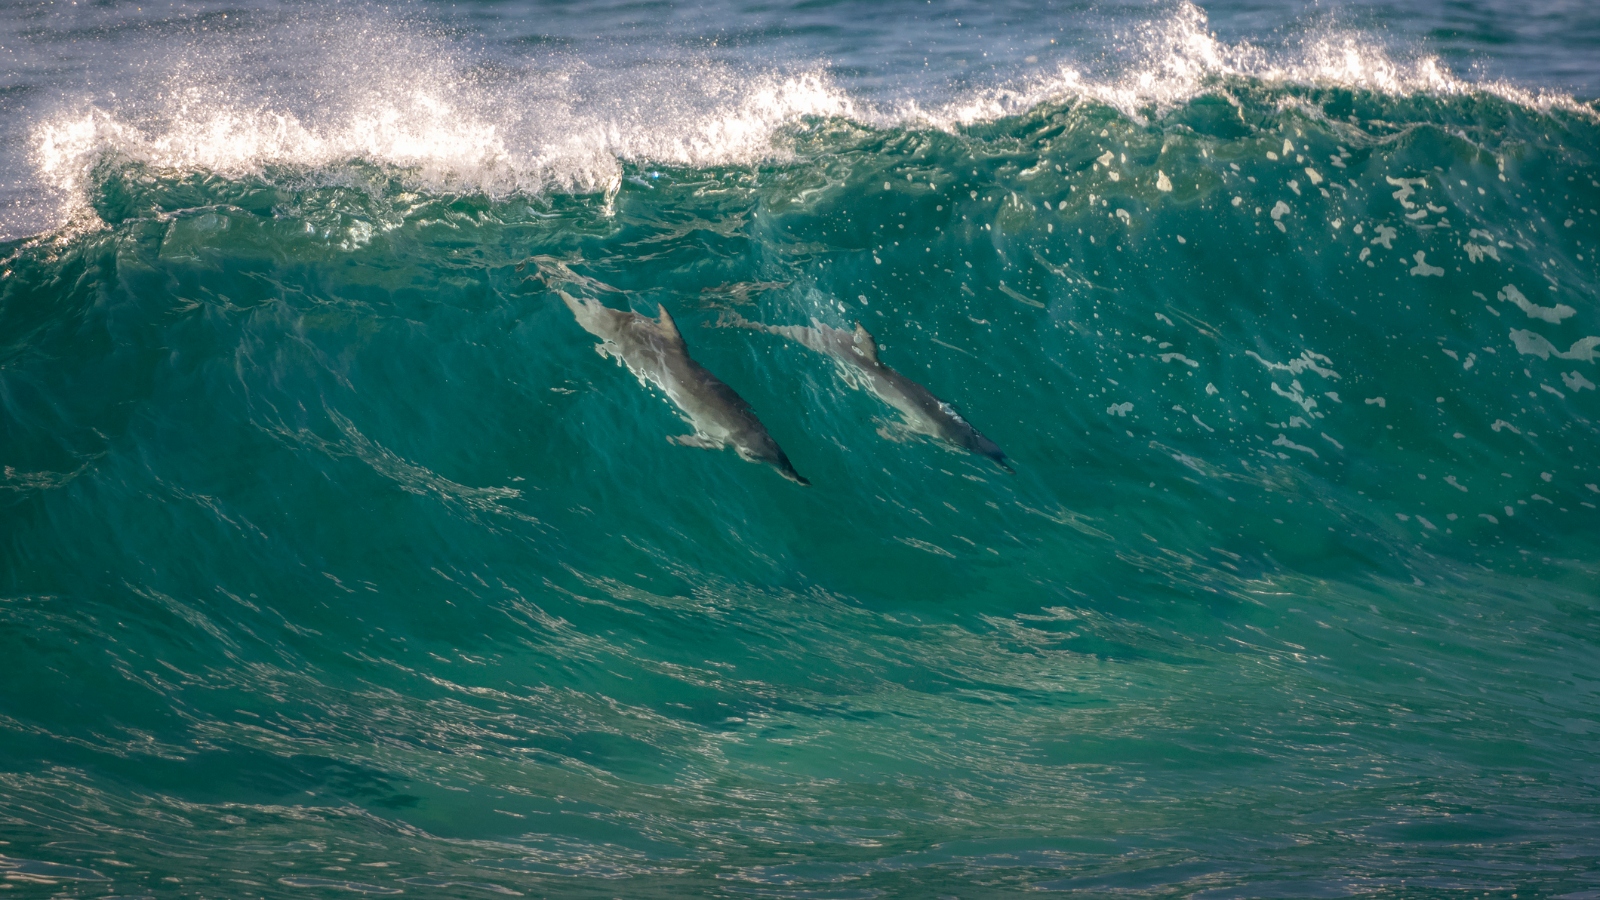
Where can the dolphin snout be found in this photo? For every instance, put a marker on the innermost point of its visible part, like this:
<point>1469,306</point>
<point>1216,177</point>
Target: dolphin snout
<point>786,469</point>
<point>773,456</point>
<point>985,447</point>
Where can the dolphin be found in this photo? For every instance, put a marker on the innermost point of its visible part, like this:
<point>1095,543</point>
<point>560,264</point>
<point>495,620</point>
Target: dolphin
<point>922,412</point>
<point>654,351</point>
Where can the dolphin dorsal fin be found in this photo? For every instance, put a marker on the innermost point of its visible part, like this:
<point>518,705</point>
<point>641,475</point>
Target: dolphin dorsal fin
<point>669,327</point>
<point>865,345</point>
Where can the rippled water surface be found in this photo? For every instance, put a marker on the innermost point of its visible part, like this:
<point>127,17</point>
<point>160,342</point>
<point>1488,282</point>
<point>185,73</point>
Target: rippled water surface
<point>334,559</point>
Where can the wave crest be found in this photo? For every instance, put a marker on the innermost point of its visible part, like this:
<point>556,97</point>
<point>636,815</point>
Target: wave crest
<point>440,144</point>
<point>447,133</point>
<point>1171,61</point>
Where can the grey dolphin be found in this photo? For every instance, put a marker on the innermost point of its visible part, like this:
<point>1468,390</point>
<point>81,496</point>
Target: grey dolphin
<point>921,411</point>
<point>654,351</point>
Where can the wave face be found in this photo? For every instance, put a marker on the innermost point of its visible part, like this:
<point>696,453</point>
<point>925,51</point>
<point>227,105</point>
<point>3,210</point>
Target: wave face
<point>334,559</point>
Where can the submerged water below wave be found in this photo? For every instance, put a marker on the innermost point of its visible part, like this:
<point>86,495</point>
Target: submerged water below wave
<point>332,557</point>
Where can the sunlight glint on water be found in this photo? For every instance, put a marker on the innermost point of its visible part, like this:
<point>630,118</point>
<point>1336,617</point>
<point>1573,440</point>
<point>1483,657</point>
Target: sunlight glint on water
<point>334,559</point>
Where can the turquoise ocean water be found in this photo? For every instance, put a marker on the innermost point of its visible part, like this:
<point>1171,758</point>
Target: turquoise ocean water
<point>334,559</point>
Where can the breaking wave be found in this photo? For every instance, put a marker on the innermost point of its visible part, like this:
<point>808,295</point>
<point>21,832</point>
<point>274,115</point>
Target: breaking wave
<point>571,127</point>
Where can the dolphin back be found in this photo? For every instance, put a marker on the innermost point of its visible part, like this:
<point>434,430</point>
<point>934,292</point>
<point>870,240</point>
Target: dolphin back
<point>596,318</point>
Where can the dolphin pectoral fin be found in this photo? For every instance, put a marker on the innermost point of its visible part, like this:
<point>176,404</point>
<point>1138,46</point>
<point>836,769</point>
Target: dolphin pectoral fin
<point>697,440</point>
<point>894,430</point>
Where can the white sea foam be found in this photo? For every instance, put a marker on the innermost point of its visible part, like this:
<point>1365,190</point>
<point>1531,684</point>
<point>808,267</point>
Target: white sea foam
<point>438,142</point>
<point>1173,60</point>
<point>569,126</point>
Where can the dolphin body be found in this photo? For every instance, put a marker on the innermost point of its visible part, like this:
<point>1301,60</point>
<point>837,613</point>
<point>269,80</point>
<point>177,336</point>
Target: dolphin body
<point>922,412</point>
<point>654,351</point>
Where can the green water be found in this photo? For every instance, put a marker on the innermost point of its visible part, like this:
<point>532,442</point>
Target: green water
<point>333,558</point>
